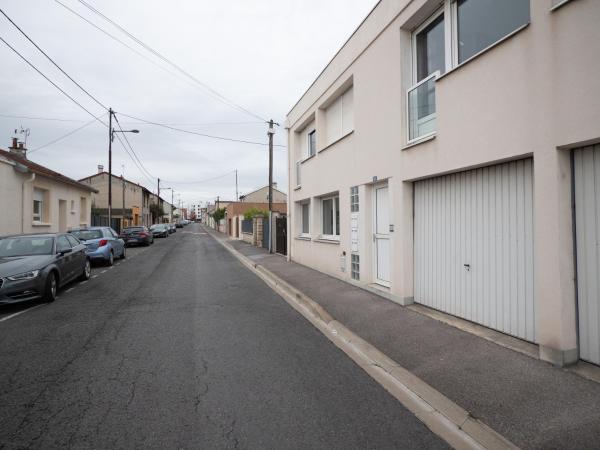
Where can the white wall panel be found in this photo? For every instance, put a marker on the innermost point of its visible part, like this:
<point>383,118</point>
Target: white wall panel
<point>587,226</point>
<point>482,218</point>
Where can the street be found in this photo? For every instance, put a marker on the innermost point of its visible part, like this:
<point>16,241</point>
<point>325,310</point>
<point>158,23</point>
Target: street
<point>180,346</point>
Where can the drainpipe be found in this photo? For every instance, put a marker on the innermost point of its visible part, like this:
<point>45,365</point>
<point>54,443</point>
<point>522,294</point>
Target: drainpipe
<point>23,201</point>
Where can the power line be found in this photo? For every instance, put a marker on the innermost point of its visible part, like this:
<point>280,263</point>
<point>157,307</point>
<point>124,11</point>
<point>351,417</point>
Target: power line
<point>133,159</point>
<point>131,148</point>
<point>172,64</point>
<point>51,60</point>
<point>200,181</point>
<point>39,118</point>
<point>66,135</point>
<point>49,80</point>
<point>199,134</point>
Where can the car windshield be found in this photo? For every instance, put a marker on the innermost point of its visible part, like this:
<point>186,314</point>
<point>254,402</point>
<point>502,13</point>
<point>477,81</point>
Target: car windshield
<point>26,246</point>
<point>86,235</point>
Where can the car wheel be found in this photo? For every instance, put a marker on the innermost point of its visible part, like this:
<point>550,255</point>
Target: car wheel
<point>123,255</point>
<point>51,288</point>
<point>87,271</point>
<point>111,259</point>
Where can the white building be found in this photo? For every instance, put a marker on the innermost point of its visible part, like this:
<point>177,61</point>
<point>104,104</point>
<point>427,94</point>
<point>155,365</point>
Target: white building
<point>449,155</point>
<point>35,199</point>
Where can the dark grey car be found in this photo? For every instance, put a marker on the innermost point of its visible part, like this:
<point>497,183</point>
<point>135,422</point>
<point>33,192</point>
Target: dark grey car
<point>34,266</point>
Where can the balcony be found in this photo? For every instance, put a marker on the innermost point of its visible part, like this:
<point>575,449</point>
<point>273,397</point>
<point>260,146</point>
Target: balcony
<point>421,109</point>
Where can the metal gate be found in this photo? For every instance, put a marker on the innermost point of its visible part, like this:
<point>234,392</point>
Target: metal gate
<point>586,167</point>
<point>473,246</point>
<point>281,235</point>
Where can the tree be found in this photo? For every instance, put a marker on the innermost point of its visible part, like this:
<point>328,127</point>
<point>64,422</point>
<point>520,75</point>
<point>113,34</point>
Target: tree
<point>253,212</point>
<point>218,215</point>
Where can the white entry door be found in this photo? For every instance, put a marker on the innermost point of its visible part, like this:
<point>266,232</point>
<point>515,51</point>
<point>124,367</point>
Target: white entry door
<point>382,236</point>
<point>587,228</point>
<point>473,246</point>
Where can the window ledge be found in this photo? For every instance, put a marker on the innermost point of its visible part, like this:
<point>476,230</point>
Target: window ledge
<point>303,238</point>
<point>558,5</point>
<point>331,144</point>
<point>481,52</point>
<point>324,240</point>
<point>35,223</point>
<point>419,141</point>
<point>303,160</point>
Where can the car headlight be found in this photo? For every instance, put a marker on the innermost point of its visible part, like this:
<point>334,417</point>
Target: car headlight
<point>24,276</point>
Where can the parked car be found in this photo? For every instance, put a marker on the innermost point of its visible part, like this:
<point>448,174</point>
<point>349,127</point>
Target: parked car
<point>102,244</point>
<point>160,230</point>
<point>179,224</point>
<point>34,266</point>
<point>138,235</point>
<point>172,228</point>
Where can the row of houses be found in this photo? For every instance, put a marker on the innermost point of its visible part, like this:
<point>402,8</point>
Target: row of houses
<point>449,155</point>
<point>36,199</point>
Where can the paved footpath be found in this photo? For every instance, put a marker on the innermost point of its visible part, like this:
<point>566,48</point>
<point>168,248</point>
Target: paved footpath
<point>182,347</point>
<point>528,401</point>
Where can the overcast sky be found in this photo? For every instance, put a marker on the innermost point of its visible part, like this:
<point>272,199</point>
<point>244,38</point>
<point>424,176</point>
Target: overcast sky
<point>260,54</point>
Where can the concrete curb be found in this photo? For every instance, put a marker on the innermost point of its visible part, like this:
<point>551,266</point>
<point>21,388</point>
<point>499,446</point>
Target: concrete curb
<point>440,414</point>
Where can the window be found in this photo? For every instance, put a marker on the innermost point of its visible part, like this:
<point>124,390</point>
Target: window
<point>480,23</point>
<point>355,266</point>
<point>62,244</point>
<point>82,209</point>
<point>74,242</point>
<point>305,218</point>
<point>339,116</point>
<point>312,142</point>
<point>38,205</point>
<point>440,44</point>
<point>331,217</point>
<point>298,170</point>
<point>354,199</point>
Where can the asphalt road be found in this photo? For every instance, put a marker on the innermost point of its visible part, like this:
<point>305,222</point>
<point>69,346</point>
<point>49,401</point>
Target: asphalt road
<point>181,347</point>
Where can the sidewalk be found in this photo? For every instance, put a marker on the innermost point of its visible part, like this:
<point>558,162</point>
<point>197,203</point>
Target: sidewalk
<point>530,402</point>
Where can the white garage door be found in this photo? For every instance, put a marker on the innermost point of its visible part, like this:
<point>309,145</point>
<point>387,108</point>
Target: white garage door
<point>473,246</point>
<point>587,226</point>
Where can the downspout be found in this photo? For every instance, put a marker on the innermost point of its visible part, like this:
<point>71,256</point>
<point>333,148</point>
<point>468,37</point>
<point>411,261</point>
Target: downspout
<point>23,201</point>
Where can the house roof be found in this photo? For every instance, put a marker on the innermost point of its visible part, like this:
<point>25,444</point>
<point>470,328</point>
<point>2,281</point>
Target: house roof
<point>44,171</point>
<point>256,190</point>
<point>116,176</point>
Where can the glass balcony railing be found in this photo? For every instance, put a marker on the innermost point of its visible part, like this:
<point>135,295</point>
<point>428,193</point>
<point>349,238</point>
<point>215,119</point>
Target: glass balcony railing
<point>421,109</point>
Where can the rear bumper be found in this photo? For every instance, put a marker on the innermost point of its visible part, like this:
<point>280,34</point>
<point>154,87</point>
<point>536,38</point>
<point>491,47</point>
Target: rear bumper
<point>100,254</point>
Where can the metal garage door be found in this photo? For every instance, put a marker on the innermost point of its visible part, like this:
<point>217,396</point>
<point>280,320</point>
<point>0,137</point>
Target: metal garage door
<point>587,227</point>
<point>473,246</point>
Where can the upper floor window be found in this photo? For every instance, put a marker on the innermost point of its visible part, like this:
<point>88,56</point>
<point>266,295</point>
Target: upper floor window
<point>339,116</point>
<point>312,142</point>
<point>458,31</point>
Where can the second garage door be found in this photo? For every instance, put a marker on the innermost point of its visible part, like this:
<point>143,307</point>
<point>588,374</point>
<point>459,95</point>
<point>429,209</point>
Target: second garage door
<point>473,246</point>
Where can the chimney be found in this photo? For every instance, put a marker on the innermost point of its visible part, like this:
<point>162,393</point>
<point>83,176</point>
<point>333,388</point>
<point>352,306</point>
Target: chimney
<point>100,168</point>
<point>18,148</point>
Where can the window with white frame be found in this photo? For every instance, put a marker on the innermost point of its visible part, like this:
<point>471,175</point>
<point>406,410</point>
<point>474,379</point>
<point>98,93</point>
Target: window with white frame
<point>458,31</point>
<point>355,266</point>
<point>339,116</point>
<point>312,142</point>
<point>354,199</point>
<point>330,214</point>
<point>298,173</point>
<point>305,219</point>
<point>38,205</point>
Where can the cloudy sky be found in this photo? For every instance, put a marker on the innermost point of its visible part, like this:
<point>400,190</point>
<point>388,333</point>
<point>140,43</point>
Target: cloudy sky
<point>258,54</point>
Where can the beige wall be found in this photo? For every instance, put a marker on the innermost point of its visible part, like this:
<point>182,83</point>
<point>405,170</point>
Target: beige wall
<point>17,203</point>
<point>262,196</point>
<point>530,95</point>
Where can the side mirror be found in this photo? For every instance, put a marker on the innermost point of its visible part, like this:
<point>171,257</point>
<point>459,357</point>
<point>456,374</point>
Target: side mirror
<point>65,251</point>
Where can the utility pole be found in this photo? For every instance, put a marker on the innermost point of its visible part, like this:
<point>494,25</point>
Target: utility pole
<point>158,189</point>
<point>110,139</point>
<point>270,133</point>
<point>237,197</point>
<point>123,209</point>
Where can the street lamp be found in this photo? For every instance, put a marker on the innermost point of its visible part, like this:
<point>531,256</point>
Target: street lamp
<point>171,208</point>
<point>111,137</point>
